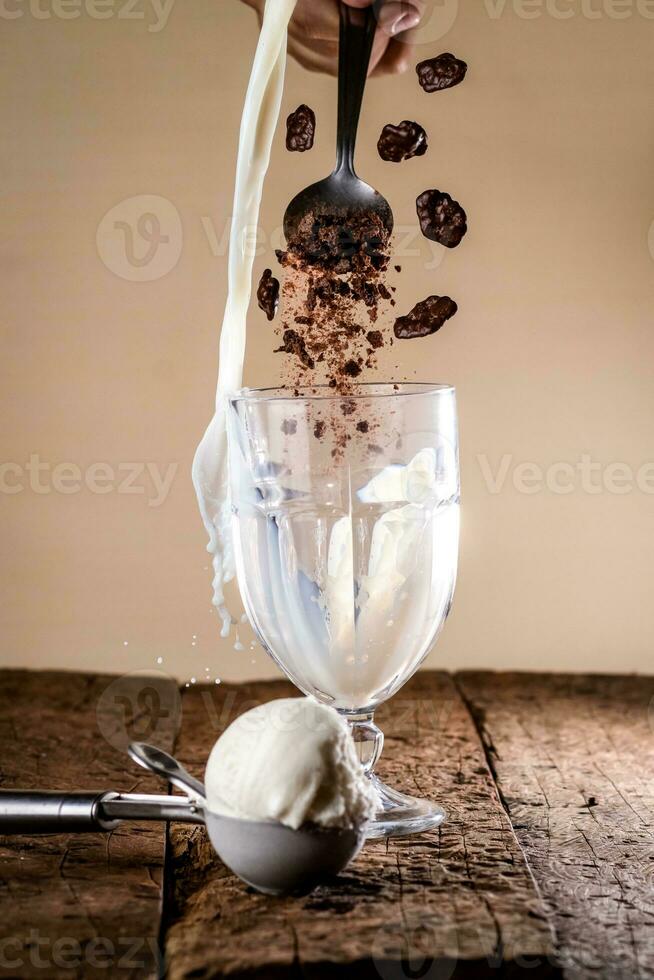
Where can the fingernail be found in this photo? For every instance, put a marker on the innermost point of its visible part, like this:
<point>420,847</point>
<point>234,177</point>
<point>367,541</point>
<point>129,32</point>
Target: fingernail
<point>406,22</point>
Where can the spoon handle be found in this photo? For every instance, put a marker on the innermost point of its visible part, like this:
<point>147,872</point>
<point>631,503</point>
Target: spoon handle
<point>356,36</point>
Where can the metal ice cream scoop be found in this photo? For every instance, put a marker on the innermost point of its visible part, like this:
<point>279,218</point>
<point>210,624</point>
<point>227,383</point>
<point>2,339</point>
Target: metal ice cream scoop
<point>269,856</point>
<point>344,195</point>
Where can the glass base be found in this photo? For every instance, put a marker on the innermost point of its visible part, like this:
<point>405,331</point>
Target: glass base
<point>401,815</point>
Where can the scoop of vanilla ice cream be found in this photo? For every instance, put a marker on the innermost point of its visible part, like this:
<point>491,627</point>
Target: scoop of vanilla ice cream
<point>293,761</point>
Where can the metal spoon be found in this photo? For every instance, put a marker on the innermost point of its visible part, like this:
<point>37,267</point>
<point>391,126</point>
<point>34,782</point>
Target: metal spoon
<point>271,857</point>
<point>163,764</point>
<point>343,196</point>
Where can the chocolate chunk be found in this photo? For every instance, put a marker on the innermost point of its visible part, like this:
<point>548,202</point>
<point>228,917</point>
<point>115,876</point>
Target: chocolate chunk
<point>362,426</point>
<point>375,338</point>
<point>398,143</point>
<point>442,219</point>
<point>425,318</point>
<point>268,294</point>
<point>294,344</point>
<point>289,427</point>
<point>352,369</point>
<point>340,242</point>
<point>444,71</point>
<point>300,129</point>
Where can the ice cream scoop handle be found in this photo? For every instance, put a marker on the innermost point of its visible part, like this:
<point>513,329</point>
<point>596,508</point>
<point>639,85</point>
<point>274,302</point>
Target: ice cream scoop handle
<point>43,812</point>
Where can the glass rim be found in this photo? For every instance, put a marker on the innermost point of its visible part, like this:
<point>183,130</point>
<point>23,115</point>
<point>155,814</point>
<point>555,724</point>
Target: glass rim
<point>324,393</point>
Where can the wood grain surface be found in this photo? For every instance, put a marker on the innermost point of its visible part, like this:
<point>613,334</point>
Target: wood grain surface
<point>458,902</point>
<point>82,905</point>
<point>574,762</point>
<point>545,866</point>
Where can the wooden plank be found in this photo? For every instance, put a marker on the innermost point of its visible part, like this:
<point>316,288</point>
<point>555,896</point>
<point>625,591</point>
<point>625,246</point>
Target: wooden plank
<point>459,902</point>
<point>86,904</point>
<point>574,758</point>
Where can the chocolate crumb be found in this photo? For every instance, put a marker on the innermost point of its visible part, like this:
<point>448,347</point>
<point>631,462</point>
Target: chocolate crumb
<point>295,344</point>
<point>444,71</point>
<point>319,429</point>
<point>372,448</point>
<point>340,243</point>
<point>402,142</point>
<point>398,268</point>
<point>352,369</point>
<point>425,318</point>
<point>362,426</point>
<point>300,129</point>
<point>375,338</point>
<point>268,294</point>
<point>289,427</point>
<point>442,219</point>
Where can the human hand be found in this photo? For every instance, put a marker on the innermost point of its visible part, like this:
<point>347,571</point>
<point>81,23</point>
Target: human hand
<point>314,28</point>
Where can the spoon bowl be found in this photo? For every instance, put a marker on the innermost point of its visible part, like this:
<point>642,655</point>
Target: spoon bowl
<point>343,199</point>
<point>278,860</point>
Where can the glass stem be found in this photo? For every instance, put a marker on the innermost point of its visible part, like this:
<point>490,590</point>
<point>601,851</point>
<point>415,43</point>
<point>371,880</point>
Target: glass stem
<point>368,738</point>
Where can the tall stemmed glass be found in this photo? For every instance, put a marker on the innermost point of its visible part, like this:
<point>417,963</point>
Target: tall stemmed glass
<point>346,528</point>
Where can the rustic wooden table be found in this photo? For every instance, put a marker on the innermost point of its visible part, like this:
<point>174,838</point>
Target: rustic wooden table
<point>545,866</point>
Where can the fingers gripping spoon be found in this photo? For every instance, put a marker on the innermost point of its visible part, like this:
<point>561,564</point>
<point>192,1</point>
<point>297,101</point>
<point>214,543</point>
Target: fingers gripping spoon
<point>343,196</point>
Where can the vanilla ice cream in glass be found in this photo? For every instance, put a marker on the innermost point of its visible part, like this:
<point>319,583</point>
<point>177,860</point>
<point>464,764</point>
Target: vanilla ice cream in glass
<point>345,513</point>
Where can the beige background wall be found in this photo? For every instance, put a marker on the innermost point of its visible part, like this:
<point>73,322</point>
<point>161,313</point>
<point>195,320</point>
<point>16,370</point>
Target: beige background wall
<point>549,144</point>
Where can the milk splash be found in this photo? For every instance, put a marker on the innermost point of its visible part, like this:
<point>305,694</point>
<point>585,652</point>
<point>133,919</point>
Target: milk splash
<point>260,116</point>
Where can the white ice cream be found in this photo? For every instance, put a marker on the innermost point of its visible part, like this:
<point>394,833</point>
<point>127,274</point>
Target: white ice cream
<point>294,761</point>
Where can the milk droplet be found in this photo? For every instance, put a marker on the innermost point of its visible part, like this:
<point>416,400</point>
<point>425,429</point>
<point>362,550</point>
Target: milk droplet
<point>238,645</point>
<point>244,618</point>
<point>193,680</point>
<point>217,680</point>
<point>125,643</point>
<point>159,660</point>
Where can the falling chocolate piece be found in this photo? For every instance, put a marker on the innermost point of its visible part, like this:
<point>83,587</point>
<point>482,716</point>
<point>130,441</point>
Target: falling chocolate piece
<point>352,369</point>
<point>425,318</point>
<point>444,71</point>
<point>294,344</point>
<point>289,427</point>
<point>442,219</point>
<point>375,338</point>
<point>300,129</point>
<point>268,294</point>
<point>398,143</point>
